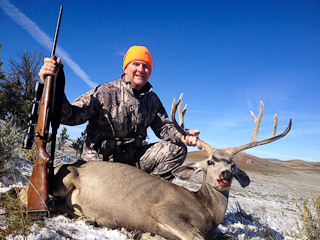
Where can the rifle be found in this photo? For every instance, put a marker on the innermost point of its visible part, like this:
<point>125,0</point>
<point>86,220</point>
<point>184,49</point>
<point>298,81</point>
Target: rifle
<point>40,185</point>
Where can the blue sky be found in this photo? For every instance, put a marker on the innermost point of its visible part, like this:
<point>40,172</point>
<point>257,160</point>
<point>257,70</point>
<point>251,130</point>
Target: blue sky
<point>225,56</point>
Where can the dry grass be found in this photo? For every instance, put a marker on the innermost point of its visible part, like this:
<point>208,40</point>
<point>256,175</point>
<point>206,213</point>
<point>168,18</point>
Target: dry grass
<point>14,220</point>
<point>309,214</point>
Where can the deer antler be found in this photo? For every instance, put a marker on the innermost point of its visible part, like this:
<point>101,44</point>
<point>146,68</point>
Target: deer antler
<point>231,150</point>
<point>253,143</point>
<point>180,127</point>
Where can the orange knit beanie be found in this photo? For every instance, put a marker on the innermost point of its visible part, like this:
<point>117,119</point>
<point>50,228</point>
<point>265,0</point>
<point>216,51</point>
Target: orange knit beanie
<point>137,53</point>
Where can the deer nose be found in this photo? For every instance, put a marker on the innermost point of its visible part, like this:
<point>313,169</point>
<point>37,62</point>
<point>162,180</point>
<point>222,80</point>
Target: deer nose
<point>227,175</point>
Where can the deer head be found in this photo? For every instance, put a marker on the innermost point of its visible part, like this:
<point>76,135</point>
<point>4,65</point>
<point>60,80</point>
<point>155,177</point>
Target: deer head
<point>225,155</point>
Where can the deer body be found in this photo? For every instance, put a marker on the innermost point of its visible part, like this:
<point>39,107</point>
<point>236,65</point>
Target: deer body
<point>118,195</point>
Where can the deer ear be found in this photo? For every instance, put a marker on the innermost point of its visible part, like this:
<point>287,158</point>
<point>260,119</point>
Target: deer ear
<point>241,176</point>
<point>187,171</point>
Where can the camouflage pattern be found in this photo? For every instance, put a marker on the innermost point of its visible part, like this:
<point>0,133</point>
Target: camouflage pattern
<point>160,158</point>
<point>118,117</point>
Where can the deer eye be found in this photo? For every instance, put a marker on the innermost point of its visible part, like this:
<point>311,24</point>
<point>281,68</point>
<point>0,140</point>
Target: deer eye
<point>210,163</point>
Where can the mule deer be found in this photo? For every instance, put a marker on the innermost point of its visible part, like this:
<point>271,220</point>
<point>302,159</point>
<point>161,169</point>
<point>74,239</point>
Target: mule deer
<point>117,195</point>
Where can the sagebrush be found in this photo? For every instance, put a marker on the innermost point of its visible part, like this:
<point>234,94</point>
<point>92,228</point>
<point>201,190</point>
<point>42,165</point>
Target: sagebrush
<point>11,138</point>
<point>309,214</point>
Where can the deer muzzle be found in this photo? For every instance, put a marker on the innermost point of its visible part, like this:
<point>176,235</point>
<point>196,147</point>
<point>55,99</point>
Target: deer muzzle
<point>225,179</point>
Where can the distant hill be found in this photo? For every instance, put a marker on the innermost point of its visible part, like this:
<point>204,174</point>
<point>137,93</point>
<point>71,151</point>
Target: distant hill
<point>246,162</point>
<point>250,163</point>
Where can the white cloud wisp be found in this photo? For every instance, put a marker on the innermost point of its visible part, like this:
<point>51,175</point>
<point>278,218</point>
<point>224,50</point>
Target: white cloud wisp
<point>41,37</point>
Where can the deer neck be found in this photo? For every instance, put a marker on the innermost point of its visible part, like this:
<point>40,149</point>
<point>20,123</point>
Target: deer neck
<point>215,202</point>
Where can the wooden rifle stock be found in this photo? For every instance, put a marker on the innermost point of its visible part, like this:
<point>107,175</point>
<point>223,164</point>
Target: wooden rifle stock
<point>38,192</point>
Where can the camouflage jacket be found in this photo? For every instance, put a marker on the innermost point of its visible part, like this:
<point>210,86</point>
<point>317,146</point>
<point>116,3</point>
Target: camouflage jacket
<point>118,117</point>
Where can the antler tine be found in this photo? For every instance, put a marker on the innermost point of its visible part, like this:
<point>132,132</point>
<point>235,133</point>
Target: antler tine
<point>253,142</point>
<point>275,124</point>
<point>181,112</point>
<point>257,121</point>
<point>180,127</point>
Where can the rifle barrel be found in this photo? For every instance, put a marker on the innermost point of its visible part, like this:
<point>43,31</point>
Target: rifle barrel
<point>57,32</point>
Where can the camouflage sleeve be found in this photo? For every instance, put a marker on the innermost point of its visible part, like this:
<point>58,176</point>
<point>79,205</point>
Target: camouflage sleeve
<point>81,110</point>
<point>163,127</point>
